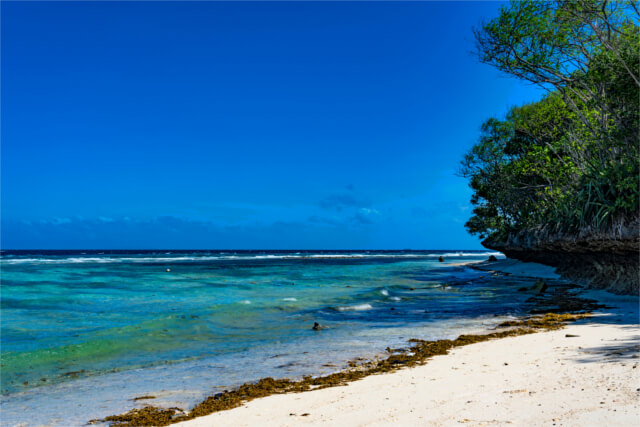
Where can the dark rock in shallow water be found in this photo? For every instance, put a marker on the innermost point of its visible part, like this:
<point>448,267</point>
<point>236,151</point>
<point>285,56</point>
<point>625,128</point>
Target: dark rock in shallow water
<point>441,259</point>
<point>492,258</point>
<point>540,286</point>
<point>523,290</point>
<point>317,326</point>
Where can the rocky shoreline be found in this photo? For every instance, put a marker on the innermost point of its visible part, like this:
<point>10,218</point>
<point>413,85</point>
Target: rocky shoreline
<point>607,260</point>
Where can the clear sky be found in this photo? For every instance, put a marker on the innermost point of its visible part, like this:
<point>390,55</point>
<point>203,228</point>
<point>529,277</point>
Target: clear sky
<point>246,125</point>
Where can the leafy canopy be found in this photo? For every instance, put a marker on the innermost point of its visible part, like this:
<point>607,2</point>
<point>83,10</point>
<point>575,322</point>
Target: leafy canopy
<point>569,161</point>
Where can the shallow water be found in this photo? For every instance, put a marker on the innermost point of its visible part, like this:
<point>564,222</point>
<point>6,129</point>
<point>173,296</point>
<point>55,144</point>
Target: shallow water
<point>85,333</point>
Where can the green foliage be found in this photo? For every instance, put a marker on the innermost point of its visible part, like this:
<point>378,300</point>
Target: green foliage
<point>569,161</point>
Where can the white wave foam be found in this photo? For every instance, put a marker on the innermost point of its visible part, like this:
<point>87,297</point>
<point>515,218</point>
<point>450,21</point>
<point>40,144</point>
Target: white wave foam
<point>221,257</point>
<point>245,302</point>
<point>289,299</point>
<point>385,292</point>
<point>395,298</point>
<point>359,307</point>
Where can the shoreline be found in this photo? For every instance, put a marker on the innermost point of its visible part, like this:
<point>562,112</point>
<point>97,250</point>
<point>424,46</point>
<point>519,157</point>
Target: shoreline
<point>583,374</point>
<point>412,299</point>
<point>265,391</point>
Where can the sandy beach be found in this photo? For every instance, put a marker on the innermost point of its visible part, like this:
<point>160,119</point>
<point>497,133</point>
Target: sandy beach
<point>585,374</point>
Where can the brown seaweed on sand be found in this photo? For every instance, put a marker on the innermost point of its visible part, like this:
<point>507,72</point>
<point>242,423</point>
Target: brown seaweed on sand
<point>417,354</point>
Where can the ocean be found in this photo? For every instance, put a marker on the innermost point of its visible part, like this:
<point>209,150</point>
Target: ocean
<point>83,333</point>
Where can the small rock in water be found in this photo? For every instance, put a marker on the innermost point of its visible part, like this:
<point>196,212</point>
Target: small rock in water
<point>492,258</point>
<point>571,336</point>
<point>523,290</point>
<point>540,286</point>
<point>441,259</point>
<point>317,326</point>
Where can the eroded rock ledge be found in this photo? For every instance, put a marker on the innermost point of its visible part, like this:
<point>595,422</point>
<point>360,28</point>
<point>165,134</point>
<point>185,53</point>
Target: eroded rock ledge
<point>604,260</point>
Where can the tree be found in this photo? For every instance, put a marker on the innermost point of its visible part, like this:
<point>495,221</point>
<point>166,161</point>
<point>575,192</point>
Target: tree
<point>570,160</point>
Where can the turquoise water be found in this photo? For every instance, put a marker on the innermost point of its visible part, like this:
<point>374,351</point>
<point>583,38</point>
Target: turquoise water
<point>181,325</point>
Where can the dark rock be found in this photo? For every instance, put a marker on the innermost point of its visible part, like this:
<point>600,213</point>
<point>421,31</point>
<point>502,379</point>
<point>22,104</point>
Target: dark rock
<point>540,286</point>
<point>317,326</point>
<point>441,259</point>
<point>522,289</point>
<point>492,258</point>
<point>571,336</point>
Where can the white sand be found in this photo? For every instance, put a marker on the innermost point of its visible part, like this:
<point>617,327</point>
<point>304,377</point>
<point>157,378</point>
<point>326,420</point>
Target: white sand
<point>542,379</point>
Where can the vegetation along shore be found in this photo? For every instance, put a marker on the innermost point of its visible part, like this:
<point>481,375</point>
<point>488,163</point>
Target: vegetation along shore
<point>556,181</point>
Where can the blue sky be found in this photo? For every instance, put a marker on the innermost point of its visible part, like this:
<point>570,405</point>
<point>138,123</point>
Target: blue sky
<point>246,125</point>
